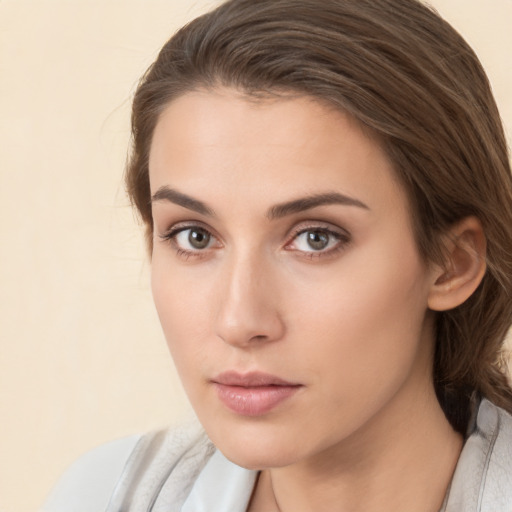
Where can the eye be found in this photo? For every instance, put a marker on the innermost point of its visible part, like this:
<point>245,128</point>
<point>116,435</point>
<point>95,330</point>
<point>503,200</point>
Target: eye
<point>313,240</point>
<point>193,239</point>
<point>317,241</point>
<point>190,240</point>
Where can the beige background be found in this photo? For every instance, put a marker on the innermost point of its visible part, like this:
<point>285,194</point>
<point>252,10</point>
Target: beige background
<point>82,358</point>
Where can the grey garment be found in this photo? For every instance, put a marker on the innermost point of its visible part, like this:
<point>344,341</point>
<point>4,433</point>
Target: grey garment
<point>161,471</point>
<point>181,471</point>
<point>482,481</point>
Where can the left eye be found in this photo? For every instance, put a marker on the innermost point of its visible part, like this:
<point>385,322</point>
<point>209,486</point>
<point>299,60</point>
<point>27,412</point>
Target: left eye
<point>316,240</point>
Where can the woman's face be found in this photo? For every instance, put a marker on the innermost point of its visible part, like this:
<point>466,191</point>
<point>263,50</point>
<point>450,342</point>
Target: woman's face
<point>286,276</point>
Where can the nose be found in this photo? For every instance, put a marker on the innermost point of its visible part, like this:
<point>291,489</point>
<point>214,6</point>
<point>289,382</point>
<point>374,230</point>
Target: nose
<point>248,308</point>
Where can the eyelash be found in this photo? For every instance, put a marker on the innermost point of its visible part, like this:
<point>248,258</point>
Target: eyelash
<point>341,237</point>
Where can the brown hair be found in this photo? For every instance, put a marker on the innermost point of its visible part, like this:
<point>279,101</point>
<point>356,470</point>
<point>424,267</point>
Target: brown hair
<point>412,80</point>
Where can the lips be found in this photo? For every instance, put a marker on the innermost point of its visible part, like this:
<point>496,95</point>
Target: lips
<point>253,394</point>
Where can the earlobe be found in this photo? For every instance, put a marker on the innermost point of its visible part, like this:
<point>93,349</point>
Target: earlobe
<point>464,267</point>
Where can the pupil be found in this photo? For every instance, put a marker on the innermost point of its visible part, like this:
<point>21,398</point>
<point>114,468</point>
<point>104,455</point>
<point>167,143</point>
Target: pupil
<point>318,240</point>
<point>199,239</point>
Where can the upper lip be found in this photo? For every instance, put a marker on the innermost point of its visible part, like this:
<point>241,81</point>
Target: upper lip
<point>251,379</point>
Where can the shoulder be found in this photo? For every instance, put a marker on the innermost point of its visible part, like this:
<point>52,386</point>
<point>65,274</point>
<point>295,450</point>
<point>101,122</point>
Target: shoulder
<point>88,483</point>
<point>162,469</point>
<point>495,426</point>
<point>483,477</point>
<point>133,469</point>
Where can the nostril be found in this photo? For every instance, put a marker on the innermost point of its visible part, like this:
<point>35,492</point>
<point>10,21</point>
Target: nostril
<point>259,337</point>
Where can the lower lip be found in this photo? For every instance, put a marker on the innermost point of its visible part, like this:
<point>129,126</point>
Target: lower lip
<point>253,401</point>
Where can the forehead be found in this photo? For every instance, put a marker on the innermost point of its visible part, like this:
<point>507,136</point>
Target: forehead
<point>222,141</point>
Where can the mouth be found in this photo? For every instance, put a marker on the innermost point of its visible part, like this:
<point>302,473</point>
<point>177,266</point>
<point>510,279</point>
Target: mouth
<point>253,394</point>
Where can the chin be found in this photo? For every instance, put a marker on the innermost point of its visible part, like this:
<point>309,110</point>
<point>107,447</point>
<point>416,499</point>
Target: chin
<point>257,448</point>
<point>256,460</point>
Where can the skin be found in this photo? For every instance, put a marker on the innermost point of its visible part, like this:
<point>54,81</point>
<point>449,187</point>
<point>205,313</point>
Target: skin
<point>350,322</point>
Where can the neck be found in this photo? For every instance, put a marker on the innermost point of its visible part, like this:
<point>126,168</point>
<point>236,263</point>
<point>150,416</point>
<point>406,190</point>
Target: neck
<point>402,460</point>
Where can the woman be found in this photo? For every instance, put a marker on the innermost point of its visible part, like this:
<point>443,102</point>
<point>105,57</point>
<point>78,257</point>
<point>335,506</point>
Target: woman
<point>328,207</point>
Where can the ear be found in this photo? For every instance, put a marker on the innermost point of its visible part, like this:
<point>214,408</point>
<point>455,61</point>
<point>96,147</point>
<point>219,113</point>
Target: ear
<point>464,267</point>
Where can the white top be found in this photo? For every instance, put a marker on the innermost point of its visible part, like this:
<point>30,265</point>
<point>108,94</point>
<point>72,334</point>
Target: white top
<point>181,471</point>
<point>88,483</point>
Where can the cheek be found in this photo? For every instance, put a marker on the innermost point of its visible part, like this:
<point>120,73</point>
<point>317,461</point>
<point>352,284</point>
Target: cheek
<point>182,310</point>
<point>367,319</point>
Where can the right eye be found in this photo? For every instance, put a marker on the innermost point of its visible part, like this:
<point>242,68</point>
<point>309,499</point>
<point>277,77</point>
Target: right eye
<point>193,239</point>
<point>190,240</point>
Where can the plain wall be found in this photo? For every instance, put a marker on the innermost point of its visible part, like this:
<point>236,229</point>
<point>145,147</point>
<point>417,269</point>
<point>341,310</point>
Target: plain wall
<point>82,357</point>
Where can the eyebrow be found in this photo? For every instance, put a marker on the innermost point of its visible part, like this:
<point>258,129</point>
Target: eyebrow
<point>275,212</point>
<point>169,194</point>
<point>313,201</point>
